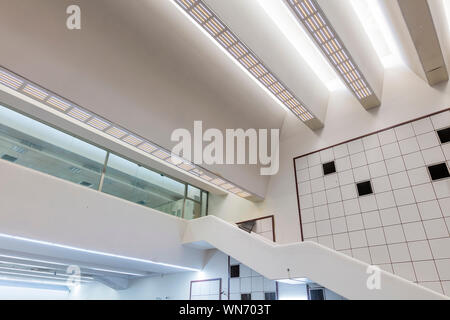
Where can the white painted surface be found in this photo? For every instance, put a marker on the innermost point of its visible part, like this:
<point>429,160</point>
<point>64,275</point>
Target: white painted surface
<point>24,293</point>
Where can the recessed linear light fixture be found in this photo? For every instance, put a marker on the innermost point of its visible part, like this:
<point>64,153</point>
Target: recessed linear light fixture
<point>209,21</point>
<point>41,95</point>
<point>322,32</point>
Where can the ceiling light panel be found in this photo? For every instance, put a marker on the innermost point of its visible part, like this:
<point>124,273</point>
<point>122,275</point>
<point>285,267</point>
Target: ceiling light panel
<point>321,31</point>
<point>228,40</point>
<point>24,86</point>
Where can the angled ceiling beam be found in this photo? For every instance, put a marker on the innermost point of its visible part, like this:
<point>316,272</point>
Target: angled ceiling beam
<point>419,22</point>
<point>236,26</point>
<point>334,28</point>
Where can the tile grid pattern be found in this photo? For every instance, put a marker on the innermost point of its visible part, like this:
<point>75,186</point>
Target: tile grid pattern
<point>404,225</point>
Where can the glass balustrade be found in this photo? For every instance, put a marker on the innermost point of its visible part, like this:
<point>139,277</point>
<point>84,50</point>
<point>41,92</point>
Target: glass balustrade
<point>35,145</point>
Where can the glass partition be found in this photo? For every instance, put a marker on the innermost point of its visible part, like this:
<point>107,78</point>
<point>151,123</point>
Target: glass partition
<point>32,144</point>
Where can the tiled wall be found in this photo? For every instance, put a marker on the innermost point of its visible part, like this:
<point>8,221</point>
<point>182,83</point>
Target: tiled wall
<point>205,290</point>
<point>264,227</point>
<point>404,225</point>
<point>249,282</point>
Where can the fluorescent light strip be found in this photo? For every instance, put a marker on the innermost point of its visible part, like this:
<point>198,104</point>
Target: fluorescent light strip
<point>218,182</point>
<point>134,141</point>
<point>59,104</point>
<point>98,123</point>
<point>228,40</point>
<point>317,24</point>
<point>79,114</point>
<point>35,92</point>
<point>16,82</point>
<point>48,273</point>
<point>93,252</point>
<point>9,80</point>
<point>21,274</point>
<point>53,283</point>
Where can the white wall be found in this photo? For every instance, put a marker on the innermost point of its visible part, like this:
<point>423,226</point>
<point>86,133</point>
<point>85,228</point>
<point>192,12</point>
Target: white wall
<point>27,293</point>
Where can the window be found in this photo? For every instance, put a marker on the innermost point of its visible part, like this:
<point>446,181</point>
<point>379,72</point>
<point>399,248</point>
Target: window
<point>234,271</point>
<point>270,296</point>
<point>247,226</point>
<point>316,294</point>
<point>246,296</point>
<point>329,168</point>
<point>444,135</point>
<point>364,188</point>
<point>438,171</point>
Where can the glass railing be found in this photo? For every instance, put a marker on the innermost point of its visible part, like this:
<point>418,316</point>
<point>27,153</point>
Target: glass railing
<point>35,145</point>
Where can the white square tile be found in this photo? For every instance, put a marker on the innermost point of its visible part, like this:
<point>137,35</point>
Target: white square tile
<point>339,225</point>
<point>257,284</point>
<point>346,177</point>
<point>326,241</point>
<point>420,250</point>
<point>308,215</point>
<point>374,155</point>
<point>368,203</point>
<point>341,241</point>
<point>375,237</point>
<point>381,184</point>
<point>315,172</point>
<point>446,150</point>
<point>414,231</point>
<point>334,195</point>
<point>399,252</point>
<point>301,163</point>
<point>419,176</point>
<point>404,131</point>
<point>409,213</point>
<point>355,146</point>
<point>439,248</point>
<point>379,254</point>
<point>269,285</point>
<point>340,151</point>
<point>317,185</point>
<point>433,155</point>
<point>258,295</point>
<point>371,219</point>
<point>377,169</point>
<point>319,198</point>
<point>445,206</point>
<point>235,285</point>
<point>435,228</point>
<point>386,137</point>
<point>399,180</point>
<point>429,210</point>
<point>246,284</point>
<point>391,150</point>
<point>358,160</point>
<point>331,181</point>
<point>343,164</point>
<point>427,140</point>
<point>441,120</point>
<point>323,228</point>
<point>371,142</point>
<point>413,160</point>
<point>348,192</point>
<point>306,201</point>
<point>442,188</point>
<point>361,173</point>
<point>404,270</point>
<point>358,239</point>
<point>422,126</point>
<point>362,254</point>
<point>309,230</point>
<point>336,209</point>
<point>355,222</point>
<point>426,271</point>
<point>304,188</point>
<point>326,155</point>
<point>303,175</point>
<point>394,234</point>
<point>245,271</point>
<point>351,207</point>
<point>395,165</point>
<point>313,159</point>
<point>443,267</point>
<point>409,145</point>
<point>385,200</point>
<point>404,196</point>
<point>424,192</point>
<point>321,213</point>
<point>389,216</point>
